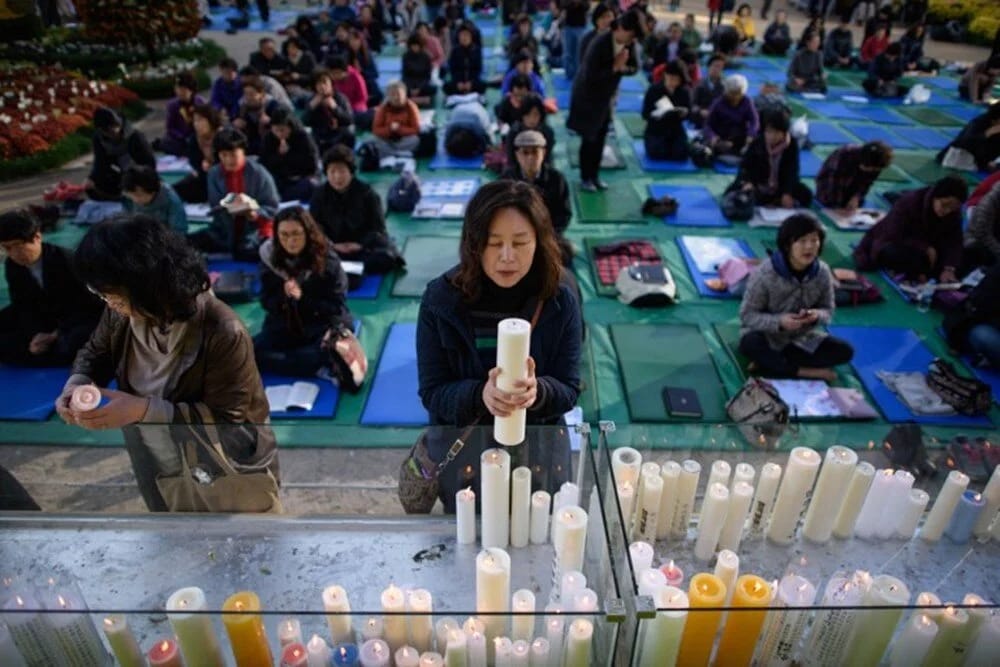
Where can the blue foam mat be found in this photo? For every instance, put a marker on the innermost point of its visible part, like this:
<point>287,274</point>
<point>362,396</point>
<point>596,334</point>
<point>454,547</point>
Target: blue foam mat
<point>928,137</point>
<point>29,394</point>
<point>825,132</point>
<point>737,247</point>
<point>698,207</point>
<point>230,265</point>
<point>628,102</point>
<point>393,399</point>
<point>877,132</point>
<point>723,168</point>
<point>442,160</point>
<point>809,164</point>
<point>325,405</point>
<point>648,164</point>
<point>899,350</point>
<point>393,64</point>
<point>881,114</point>
<point>279,18</point>
<point>964,113</point>
<point>368,289</point>
<point>632,84</point>
<point>835,110</point>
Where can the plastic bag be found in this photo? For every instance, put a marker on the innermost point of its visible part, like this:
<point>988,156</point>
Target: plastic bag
<point>919,94</point>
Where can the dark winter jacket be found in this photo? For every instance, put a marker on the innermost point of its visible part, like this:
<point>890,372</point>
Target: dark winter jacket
<point>353,215</point>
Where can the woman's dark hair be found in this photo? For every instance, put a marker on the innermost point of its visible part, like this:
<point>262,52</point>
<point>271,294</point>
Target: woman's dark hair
<point>951,186</point>
<point>336,63</point>
<point>600,9</point>
<point>228,139</point>
<point>316,246</point>
<point>18,225</point>
<point>776,119</point>
<point>742,7</point>
<point>216,117</point>
<point>293,41</point>
<point>533,101</point>
<point>894,49</point>
<point>414,40</point>
<point>795,227</point>
<point>520,81</point>
<point>482,209</point>
<point>285,116</point>
<point>140,257</point>
<point>440,23</point>
<point>629,21</point>
<point>877,154</point>
<point>674,68</point>
<point>141,177</point>
<point>228,63</point>
<point>187,80</point>
<point>340,154</point>
<point>321,74</point>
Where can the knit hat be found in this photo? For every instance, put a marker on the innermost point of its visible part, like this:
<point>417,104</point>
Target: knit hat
<point>530,139</point>
<point>105,119</point>
<point>951,186</point>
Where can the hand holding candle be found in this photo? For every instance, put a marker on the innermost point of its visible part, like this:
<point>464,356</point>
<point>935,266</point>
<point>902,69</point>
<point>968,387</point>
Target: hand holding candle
<point>85,397</point>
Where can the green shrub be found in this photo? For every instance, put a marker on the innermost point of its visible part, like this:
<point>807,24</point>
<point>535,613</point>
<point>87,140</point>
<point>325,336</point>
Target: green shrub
<point>163,88</point>
<point>68,148</point>
<point>983,28</point>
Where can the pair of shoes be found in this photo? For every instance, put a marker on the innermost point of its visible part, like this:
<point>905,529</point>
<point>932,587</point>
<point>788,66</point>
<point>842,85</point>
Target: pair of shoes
<point>588,186</point>
<point>63,191</point>
<point>601,185</point>
<point>660,207</point>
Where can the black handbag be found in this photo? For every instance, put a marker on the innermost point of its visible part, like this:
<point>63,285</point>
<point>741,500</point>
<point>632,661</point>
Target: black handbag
<point>967,395</point>
<point>419,475</point>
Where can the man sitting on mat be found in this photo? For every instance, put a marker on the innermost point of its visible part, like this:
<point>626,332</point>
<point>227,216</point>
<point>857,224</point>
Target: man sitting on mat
<point>805,71</point>
<point>708,90</point>
<point>849,172</point>
<point>884,74</point>
<point>732,119</point>
<point>664,109</point>
<point>51,313</point>
<point>921,236</point>
<point>770,167</point>
<point>787,300</point>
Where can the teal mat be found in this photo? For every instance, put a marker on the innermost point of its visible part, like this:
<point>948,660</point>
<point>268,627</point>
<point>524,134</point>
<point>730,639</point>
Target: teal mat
<point>427,257</point>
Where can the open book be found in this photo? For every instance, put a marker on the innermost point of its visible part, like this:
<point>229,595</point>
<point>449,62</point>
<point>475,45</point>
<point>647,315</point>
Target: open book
<point>298,396</point>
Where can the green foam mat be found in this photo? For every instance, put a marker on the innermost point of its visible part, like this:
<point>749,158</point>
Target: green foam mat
<point>894,174</point>
<point>619,203</point>
<point>634,124</point>
<point>427,257</point>
<point>682,359</point>
<point>929,116</point>
<point>573,154</point>
<point>590,242</point>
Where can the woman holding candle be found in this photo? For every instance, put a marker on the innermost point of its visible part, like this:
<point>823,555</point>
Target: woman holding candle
<point>510,266</point>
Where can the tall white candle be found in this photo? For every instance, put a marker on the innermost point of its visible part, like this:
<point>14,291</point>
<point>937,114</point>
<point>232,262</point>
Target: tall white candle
<point>503,649</point>
<point>493,589</point>
<point>986,647</point>
<point>443,628</point>
<point>763,500</point>
<point>520,654</point>
<point>740,498</point>
<point>540,652</point>
<point>318,653</point>
<point>523,620</point>
<point>579,638</point>
<point>289,632</point>
<point>465,516</point>
<point>74,632</point>
<point>28,629</point>
<point>991,495</point>
<point>687,487</point>
<point>572,583</point>
<point>394,622</point>
<point>585,601</point>
<point>800,473</point>
<point>876,626</point>
<point>871,516</point>
<point>651,580</point>
<point>338,608</point>
<point>953,628</point>
<point>719,473</point>
<point>375,653</point>
<point>670,473</point>
<point>727,568</point>
<point>120,638</point>
<point>541,504</point>
<point>902,484</point>
<point>457,652</point>
<point>555,627</point>
<point>711,521</point>
<point>520,507</point>
<point>979,614</point>
<point>420,604</point>
<point>743,472</point>
<point>947,500</point>
<point>662,638</point>
<point>572,538</point>
<point>431,659</point>
<point>495,503</point>
<point>913,643</point>
<point>476,641</point>
<point>912,513</point>
<point>625,465</point>
<point>646,516</point>
<point>834,478</point>
<point>11,657</point>
<point>372,628</point>
<point>407,656</point>
<point>641,555</point>
<point>833,628</point>
<point>857,491</point>
<point>786,623</point>
<point>626,503</point>
<point>513,348</point>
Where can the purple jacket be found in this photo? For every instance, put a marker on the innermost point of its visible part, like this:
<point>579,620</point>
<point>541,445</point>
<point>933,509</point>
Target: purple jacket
<point>226,96</point>
<point>179,121</point>
<point>726,121</point>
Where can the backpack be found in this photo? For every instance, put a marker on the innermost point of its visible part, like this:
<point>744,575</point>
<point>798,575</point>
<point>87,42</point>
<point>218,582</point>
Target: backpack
<point>368,157</point>
<point>855,290</point>
<point>461,142</point>
<point>236,286</point>
<point>967,395</point>
<point>701,154</point>
<point>403,194</point>
<point>738,205</point>
<point>646,286</point>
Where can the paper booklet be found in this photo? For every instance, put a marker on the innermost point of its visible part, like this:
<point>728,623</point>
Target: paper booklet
<point>298,396</point>
<point>663,105</point>
<point>354,268</point>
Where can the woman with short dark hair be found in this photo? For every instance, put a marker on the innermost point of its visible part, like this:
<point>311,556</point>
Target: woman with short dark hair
<point>206,120</point>
<point>770,166</point>
<point>849,172</point>
<point>289,153</point>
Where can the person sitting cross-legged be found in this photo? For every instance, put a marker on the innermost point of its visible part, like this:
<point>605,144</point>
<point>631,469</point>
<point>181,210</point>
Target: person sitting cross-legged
<point>397,123</point>
<point>146,193</point>
<point>770,167</point>
<point>732,119</point>
<point>805,71</point>
<point>665,137</point>
<point>289,153</point>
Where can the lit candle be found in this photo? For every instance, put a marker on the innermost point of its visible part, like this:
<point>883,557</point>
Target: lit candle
<point>245,628</point>
<point>407,656</point>
<point>571,538</point>
<point>711,521</point>
<point>578,643</point>
<point>763,499</point>
<point>473,624</point>
<point>28,629</point>
<point>687,487</point>
<point>647,513</point>
<point>443,628</point>
<point>585,601</point>
<point>554,630</point>
<point>195,635</point>
<point>626,503</point>
<point>625,465</point>
<point>704,590</point>
<point>318,652</point>
<point>719,474</point>
<point>345,655</point>
<point>925,603</point>
<point>523,620</point>
<point>912,513</point>
<point>743,472</point>
<point>73,629</point>
<point>541,505</point>
<point>294,654</point>
<point>289,632</point>
<point>832,628</point>
<point>850,507</point>
<point>834,478</point>
<point>727,569</point>
<point>751,596</point>
<point>420,604</point>
<point>11,657</point>
<point>513,348</point>
<point>492,590</point>
<point>951,641</point>
<point>85,397</point>
<point>520,654</point>
<point>503,649</point>
<point>964,519</point>
<point>991,494</point>
<point>394,621</point>
<point>740,497</point>
<point>662,639</point>
<point>120,638</point>
<point>372,629</point>
<point>164,654</point>
<point>987,645</point>
<point>979,611</point>
<point>800,473</point>
<point>786,623</point>
<point>650,581</point>
<point>670,473</point>
<point>476,641</point>
<point>375,653</point>
<point>338,614</point>
<point>913,643</point>
<point>572,583</point>
<point>495,511</point>
<point>465,516</point>
<point>520,507</point>
<point>457,650</point>
<point>875,626</point>
<point>871,516</point>
<point>674,574</point>
<point>540,652</point>
<point>947,500</point>
<point>902,484</point>
<point>641,556</point>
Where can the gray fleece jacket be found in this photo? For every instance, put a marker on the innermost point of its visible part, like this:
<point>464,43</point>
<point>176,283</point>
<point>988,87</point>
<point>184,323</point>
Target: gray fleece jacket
<point>984,225</point>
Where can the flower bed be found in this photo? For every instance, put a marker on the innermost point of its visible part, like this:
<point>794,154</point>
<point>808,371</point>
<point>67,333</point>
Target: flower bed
<point>157,82</point>
<point>981,16</point>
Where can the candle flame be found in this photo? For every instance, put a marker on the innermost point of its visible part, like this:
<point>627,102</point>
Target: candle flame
<point>109,623</point>
<point>182,602</point>
<point>756,587</point>
<point>977,497</point>
<point>950,611</point>
<point>164,646</point>
<point>803,586</point>
<point>343,652</point>
<point>239,605</point>
<point>925,620</point>
<point>671,568</point>
<point>20,602</point>
<point>62,601</point>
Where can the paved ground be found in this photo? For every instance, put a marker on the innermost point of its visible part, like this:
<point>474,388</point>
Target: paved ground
<point>335,481</point>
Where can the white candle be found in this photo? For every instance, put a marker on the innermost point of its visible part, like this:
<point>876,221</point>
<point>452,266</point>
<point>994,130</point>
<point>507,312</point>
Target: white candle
<point>375,653</point>
<point>457,651</point>
<point>120,638</point>
<point>833,628</point>
<point>465,516</point>
<point>674,574</point>
<point>572,583</point>
<point>523,620</point>
<point>925,600</point>
<point>318,653</point>
<point>670,473</point>
<point>641,555</point>
<point>740,498</point>
<point>986,647</point>
<point>74,633</point>
<point>743,472</point>
<point>651,580</point>
<point>876,626</point>
<point>431,659</point>
<point>578,643</point>
<point>585,601</point>
<point>763,500</point>
<point>420,604</point>
<point>800,473</point>
<point>947,500</point>
<point>11,657</point>
<point>476,642</point>
<point>473,624</point>
<point>711,521</point>
<point>912,513</point>
<point>727,568</point>
<point>572,537</point>
<point>871,516</point>
<point>687,487</point>
<point>513,348</point>
<point>195,635</point>
<point>834,478</point>
<point>289,632</point>
<point>338,609</point>
<point>372,629</point>
<point>540,652</point>
<point>626,502</point>
<point>503,649</point>
<point>493,590</point>
<point>554,630</point>
<point>991,495</point>
<point>625,465</point>
<point>913,643</point>
<point>850,507</point>
<point>443,628</point>
<point>520,654</point>
<point>520,507</point>
<point>29,630</point>
<point>649,507</point>
<point>85,397</point>
<point>902,484</point>
<point>394,622</point>
<point>719,474</point>
<point>541,504</point>
<point>979,613</point>
<point>951,635</point>
<point>407,656</point>
<point>786,624</point>
<point>495,510</point>
<point>647,468</point>
<point>662,638</point>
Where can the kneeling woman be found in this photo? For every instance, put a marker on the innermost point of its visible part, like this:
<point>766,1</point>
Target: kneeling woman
<point>510,266</point>
<point>786,301</point>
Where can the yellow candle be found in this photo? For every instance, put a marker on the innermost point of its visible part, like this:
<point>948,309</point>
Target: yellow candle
<point>705,590</point>
<point>752,596</point>
<point>245,628</point>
